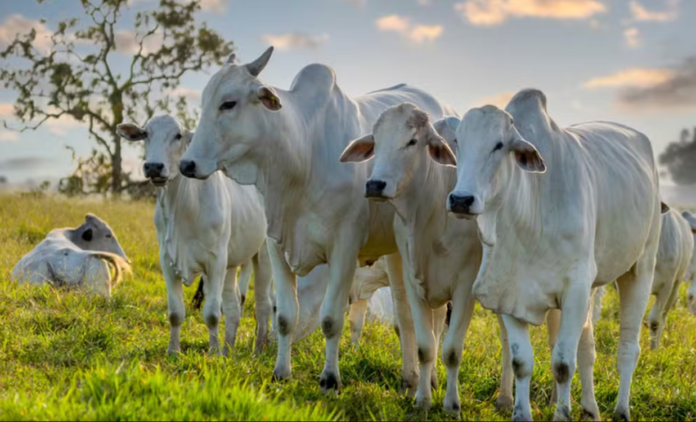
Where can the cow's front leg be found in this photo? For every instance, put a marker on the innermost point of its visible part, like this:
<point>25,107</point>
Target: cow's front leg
<point>425,341</point>
<point>287,309</point>
<point>262,296</point>
<point>462,309</point>
<point>212,289</point>
<point>175,304</point>
<point>342,263</point>
<point>522,365</point>
<point>231,306</point>
<point>407,333</point>
<point>574,316</point>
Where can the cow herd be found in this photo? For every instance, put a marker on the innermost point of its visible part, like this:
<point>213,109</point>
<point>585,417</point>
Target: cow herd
<point>331,198</point>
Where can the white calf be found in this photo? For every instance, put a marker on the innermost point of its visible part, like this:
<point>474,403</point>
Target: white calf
<point>208,227</point>
<point>691,273</point>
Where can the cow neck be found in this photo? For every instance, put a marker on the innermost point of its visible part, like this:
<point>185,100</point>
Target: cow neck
<point>421,207</point>
<point>180,197</point>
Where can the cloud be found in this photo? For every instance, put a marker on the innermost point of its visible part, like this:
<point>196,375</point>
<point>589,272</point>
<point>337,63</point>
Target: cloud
<point>635,77</point>
<point>641,14</point>
<point>6,110</point>
<point>128,42</point>
<point>62,125</point>
<point>18,24</point>
<point>7,136</point>
<point>24,163</point>
<point>295,40</point>
<point>358,3</point>
<point>418,34</point>
<point>499,100</point>
<point>188,93</point>
<point>632,37</point>
<point>495,12</point>
<point>677,90</point>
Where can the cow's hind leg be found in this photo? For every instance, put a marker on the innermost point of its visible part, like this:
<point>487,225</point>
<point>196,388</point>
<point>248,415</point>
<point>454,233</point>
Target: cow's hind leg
<point>553,325</point>
<point>356,316</point>
<point>505,401</point>
<point>522,365</point>
<point>213,288</point>
<point>231,307</point>
<point>634,292</point>
<point>176,307</point>
<point>287,309</point>
<point>439,323</point>
<point>586,361</point>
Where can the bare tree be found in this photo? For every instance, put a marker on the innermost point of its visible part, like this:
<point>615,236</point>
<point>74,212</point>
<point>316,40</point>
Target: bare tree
<point>680,158</point>
<point>87,76</point>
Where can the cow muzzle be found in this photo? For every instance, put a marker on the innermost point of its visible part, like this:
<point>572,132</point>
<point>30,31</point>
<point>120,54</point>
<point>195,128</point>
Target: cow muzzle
<point>461,205</point>
<point>153,171</point>
<point>374,189</point>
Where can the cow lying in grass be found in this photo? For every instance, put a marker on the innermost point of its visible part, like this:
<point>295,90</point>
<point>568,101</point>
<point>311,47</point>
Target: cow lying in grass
<point>78,257</point>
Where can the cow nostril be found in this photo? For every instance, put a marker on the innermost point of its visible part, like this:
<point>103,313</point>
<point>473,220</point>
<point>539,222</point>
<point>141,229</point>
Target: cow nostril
<point>187,167</point>
<point>153,169</point>
<point>468,200</point>
<point>375,187</point>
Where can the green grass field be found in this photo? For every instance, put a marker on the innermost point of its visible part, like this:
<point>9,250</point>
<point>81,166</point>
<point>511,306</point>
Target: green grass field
<point>65,355</point>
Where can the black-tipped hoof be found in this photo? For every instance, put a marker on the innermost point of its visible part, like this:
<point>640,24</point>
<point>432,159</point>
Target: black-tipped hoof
<point>504,404</point>
<point>589,416</point>
<point>329,382</point>
<point>278,378</point>
<point>621,417</point>
<point>453,409</point>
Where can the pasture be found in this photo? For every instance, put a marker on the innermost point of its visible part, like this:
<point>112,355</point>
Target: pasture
<point>66,355</point>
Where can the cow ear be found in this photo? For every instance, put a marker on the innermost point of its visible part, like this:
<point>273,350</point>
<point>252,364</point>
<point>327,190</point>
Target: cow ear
<point>268,98</point>
<point>131,132</point>
<point>527,156</point>
<point>438,149</point>
<point>87,235</point>
<point>359,150</point>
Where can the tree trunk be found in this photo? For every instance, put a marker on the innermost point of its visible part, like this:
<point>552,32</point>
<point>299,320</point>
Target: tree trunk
<point>116,170</point>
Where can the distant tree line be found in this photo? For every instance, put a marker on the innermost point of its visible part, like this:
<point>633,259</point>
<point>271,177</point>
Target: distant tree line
<point>680,158</point>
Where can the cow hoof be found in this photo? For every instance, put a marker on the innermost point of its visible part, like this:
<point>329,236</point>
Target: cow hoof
<point>562,414</point>
<point>173,351</point>
<point>329,382</point>
<point>423,403</point>
<point>408,388</point>
<point>280,375</point>
<point>589,415</point>
<point>621,416</point>
<point>452,409</point>
<point>519,415</point>
<point>504,404</point>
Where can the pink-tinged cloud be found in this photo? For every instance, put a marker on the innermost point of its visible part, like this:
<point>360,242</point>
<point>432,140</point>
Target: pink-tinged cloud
<point>496,12</point>
<point>499,100</point>
<point>634,77</point>
<point>641,14</point>
<point>295,41</point>
<point>416,33</point>
<point>17,24</point>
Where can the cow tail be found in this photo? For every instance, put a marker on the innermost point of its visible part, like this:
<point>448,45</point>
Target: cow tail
<point>199,296</point>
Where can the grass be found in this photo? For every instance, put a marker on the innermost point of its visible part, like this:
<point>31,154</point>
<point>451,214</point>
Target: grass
<point>68,356</point>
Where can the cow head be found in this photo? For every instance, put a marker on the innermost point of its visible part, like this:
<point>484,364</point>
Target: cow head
<point>234,114</point>
<point>403,137</point>
<point>165,142</point>
<point>488,144</point>
<point>95,235</point>
<point>691,272</point>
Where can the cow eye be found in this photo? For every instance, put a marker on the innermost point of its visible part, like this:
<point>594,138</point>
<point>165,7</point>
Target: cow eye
<point>178,136</point>
<point>228,105</point>
<point>498,147</point>
<point>411,143</point>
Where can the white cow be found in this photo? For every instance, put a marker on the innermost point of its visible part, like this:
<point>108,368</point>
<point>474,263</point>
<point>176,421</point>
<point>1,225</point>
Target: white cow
<point>441,253</point>
<point>287,144</point>
<point>78,257</point>
<point>673,260</point>
<point>206,227</point>
<point>370,299</point>
<point>559,212</point>
<point>691,273</point>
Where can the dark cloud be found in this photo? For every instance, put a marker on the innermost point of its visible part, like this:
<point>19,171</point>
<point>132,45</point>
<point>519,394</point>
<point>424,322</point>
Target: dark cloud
<point>24,163</point>
<point>679,90</point>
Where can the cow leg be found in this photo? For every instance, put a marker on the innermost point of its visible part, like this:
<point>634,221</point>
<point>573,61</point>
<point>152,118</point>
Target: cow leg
<point>655,317</point>
<point>597,305</point>
<point>244,281</point>
<point>576,306</point>
<point>287,309</point>
<point>439,322</point>
<point>262,297</point>
<point>425,340</point>
<point>407,333</point>
<point>213,288</point>
<point>342,264</point>
<point>462,310</point>
<point>505,401</point>
<point>356,316</point>
<point>634,292</point>
<point>522,365</point>
<point>232,309</point>
<point>586,361</point>
<point>176,307</point>
<point>553,324</point>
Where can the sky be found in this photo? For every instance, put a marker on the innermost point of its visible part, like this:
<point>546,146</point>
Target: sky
<point>629,61</point>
